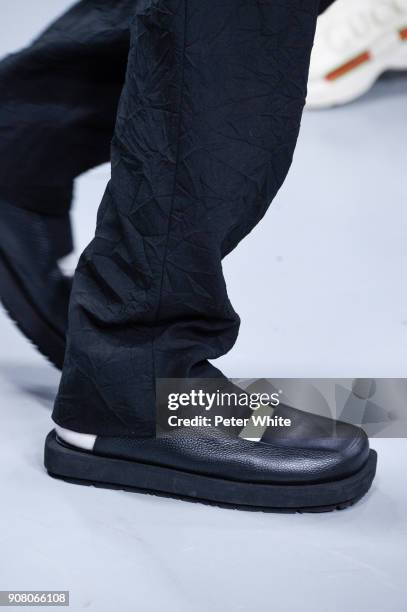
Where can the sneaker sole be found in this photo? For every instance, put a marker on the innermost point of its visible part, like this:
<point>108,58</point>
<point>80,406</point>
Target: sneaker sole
<point>326,94</point>
<point>24,313</point>
<point>81,467</point>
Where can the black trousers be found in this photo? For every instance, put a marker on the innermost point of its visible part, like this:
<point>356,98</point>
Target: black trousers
<point>59,100</point>
<point>205,133</point>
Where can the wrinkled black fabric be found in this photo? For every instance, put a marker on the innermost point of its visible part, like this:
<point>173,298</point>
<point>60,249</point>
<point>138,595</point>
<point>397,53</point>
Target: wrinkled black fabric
<point>207,125</point>
<point>58,102</point>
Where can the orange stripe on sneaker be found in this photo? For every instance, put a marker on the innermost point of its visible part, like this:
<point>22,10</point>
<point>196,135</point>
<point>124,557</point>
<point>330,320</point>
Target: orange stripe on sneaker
<point>355,62</point>
<point>403,34</point>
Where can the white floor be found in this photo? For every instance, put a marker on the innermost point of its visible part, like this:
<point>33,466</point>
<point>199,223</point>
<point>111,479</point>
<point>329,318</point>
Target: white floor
<point>320,286</point>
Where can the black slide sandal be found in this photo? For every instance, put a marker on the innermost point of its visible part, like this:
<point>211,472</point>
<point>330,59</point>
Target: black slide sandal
<point>81,467</point>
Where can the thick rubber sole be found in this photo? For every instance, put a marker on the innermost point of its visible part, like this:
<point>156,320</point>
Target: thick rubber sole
<point>81,467</point>
<point>24,313</point>
<point>327,94</point>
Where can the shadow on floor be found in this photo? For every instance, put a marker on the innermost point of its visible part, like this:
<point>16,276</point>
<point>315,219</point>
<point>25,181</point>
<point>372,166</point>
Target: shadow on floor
<point>38,382</point>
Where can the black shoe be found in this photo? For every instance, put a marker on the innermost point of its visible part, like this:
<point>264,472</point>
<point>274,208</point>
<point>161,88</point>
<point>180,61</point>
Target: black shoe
<point>321,465</point>
<point>33,289</point>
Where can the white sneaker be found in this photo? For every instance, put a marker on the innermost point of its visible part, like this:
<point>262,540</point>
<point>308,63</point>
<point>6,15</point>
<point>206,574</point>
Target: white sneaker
<point>356,41</point>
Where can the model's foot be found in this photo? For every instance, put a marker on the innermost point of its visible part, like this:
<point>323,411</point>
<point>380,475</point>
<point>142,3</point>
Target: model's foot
<point>320,465</point>
<point>33,290</point>
<point>356,42</point>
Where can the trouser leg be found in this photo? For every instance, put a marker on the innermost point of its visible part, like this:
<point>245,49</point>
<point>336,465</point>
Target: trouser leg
<point>324,4</point>
<point>58,104</point>
<point>206,130</point>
